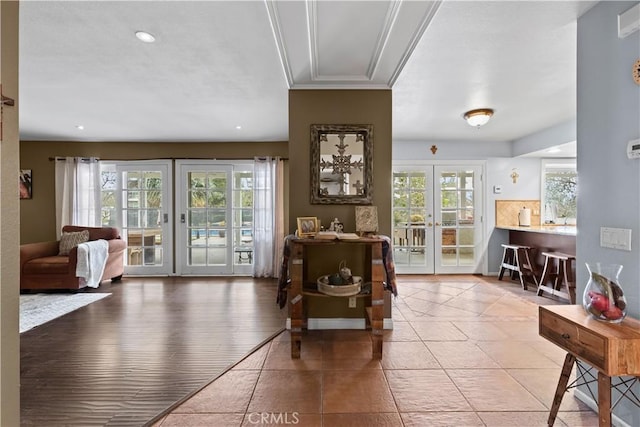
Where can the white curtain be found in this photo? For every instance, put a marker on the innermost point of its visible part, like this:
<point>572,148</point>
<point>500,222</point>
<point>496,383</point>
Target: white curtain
<point>77,192</point>
<point>268,215</point>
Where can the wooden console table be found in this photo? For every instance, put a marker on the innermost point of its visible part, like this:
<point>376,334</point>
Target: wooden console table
<point>612,349</point>
<point>296,294</point>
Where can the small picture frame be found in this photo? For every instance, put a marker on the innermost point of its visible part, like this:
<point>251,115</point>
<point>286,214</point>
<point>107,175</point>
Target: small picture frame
<point>366,220</point>
<point>25,184</point>
<point>307,226</point>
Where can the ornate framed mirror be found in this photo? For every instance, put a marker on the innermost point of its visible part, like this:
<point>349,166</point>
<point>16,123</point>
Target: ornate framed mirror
<point>341,164</point>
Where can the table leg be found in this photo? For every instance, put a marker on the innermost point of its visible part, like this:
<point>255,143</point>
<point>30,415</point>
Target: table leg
<point>604,400</point>
<point>569,360</point>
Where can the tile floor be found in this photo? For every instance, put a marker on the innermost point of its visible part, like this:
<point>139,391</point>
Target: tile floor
<point>464,351</point>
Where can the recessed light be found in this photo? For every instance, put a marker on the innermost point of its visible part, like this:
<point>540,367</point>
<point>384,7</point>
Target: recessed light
<point>238,127</point>
<point>79,127</point>
<point>145,37</point>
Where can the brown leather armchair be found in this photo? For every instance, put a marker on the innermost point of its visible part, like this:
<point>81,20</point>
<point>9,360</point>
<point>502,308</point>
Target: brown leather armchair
<point>42,268</point>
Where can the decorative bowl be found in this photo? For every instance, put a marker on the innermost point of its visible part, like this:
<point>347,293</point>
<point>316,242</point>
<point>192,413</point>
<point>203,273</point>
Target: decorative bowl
<point>339,290</point>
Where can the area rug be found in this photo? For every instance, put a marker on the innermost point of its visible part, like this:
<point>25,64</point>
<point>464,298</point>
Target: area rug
<point>36,309</point>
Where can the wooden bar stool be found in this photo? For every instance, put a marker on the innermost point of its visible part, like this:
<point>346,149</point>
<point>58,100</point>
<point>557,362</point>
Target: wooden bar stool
<point>560,274</point>
<point>517,259</point>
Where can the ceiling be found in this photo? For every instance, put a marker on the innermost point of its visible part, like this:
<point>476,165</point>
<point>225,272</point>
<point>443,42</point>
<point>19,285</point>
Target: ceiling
<point>221,70</point>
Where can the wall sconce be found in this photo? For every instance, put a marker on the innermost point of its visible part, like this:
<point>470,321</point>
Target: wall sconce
<point>514,175</point>
<point>478,117</point>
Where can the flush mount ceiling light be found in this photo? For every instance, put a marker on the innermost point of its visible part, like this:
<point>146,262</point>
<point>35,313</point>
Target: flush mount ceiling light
<point>478,117</point>
<point>145,37</point>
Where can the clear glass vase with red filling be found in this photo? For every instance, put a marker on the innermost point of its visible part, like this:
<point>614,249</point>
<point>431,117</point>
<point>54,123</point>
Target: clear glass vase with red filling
<point>603,297</point>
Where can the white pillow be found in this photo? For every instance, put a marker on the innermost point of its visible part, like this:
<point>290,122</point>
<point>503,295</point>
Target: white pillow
<point>69,241</point>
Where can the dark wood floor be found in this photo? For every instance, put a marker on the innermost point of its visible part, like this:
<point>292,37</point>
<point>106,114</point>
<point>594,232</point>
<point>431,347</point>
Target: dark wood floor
<point>131,356</point>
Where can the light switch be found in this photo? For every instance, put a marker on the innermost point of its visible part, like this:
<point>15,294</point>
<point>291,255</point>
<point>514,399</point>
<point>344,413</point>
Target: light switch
<point>615,238</point>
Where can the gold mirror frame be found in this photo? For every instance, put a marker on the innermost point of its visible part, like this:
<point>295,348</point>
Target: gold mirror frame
<point>342,154</point>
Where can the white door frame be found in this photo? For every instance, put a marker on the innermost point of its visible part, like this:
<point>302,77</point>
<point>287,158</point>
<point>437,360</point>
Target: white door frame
<point>165,167</point>
<point>181,221</point>
<point>481,247</point>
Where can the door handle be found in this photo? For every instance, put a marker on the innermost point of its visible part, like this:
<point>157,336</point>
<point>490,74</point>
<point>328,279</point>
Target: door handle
<point>183,219</point>
<point>437,224</point>
<point>430,224</point>
<point>166,218</point>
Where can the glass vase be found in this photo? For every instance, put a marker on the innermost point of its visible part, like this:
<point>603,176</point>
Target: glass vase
<point>603,297</point>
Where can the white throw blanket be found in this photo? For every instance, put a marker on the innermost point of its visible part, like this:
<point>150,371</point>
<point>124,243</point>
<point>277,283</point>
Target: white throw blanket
<point>92,258</point>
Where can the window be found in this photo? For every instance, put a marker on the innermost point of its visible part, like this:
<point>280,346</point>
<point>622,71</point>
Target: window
<point>559,191</point>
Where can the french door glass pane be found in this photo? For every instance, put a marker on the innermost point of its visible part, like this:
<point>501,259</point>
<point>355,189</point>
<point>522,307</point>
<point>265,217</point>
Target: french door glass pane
<point>458,232</point>
<point>409,216</point>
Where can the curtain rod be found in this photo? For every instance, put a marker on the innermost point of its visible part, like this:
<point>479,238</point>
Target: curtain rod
<point>51,159</point>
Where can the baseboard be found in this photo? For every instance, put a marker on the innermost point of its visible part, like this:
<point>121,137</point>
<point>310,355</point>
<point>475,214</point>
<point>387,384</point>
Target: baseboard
<point>587,400</point>
<point>339,323</point>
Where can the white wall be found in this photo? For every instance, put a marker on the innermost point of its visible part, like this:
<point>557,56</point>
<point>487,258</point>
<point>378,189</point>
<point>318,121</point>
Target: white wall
<point>608,117</point>
<point>555,135</point>
<point>449,150</point>
<point>527,187</point>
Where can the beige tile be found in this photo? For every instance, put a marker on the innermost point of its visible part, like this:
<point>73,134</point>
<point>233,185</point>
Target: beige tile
<point>579,419</point>
<point>425,390</point>
<point>481,330</point>
<point>452,288</point>
<point>253,419</point>
<point>494,390</point>
<point>309,348</point>
<point>441,419</point>
<point>550,350</point>
<point>445,312</point>
<point>307,335</point>
<point>333,335</point>
<point>542,384</point>
<point>402,331</point>
<point>230,393</point>
<point>363,420</point>
<point>255,360</point>
<point>429,330</point>
<point>466,304</point>
<point>332,350</point>
<point>351,364</point>
<point>523,330</point>
<point>448,282</point>
<point>407,355</point>
<point>209,420</point>
<point>429,296</point>
<point>520,355</point>
<point>287,391</point>
<point>512,307</point>
<point>420,306</point>
<point>367,390</point>
<point>279,356</point>
<point>521,419</point>
<point>484,292</point>
<point>460,355</point>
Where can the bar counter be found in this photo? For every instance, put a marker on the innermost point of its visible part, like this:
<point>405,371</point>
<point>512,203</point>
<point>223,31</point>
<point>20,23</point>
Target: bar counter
<point>543,238</point>
<point>561,230</point>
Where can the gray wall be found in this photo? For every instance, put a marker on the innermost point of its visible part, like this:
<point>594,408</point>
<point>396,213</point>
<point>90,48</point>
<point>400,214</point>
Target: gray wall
<point>608,117</point>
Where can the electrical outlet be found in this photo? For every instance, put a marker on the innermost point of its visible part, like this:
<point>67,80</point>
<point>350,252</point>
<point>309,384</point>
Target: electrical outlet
<point>352,302</point>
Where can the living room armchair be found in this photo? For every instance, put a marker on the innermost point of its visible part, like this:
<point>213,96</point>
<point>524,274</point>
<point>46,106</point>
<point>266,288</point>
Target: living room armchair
<point>43,267</point>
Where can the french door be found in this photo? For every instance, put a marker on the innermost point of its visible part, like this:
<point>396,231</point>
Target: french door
<point>136,198</point>
<point>437,219</point>
<point>214,218</point>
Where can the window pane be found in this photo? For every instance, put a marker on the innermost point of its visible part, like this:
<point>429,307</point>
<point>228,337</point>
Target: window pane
<point>561,187</point>
<point>449,199</point>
